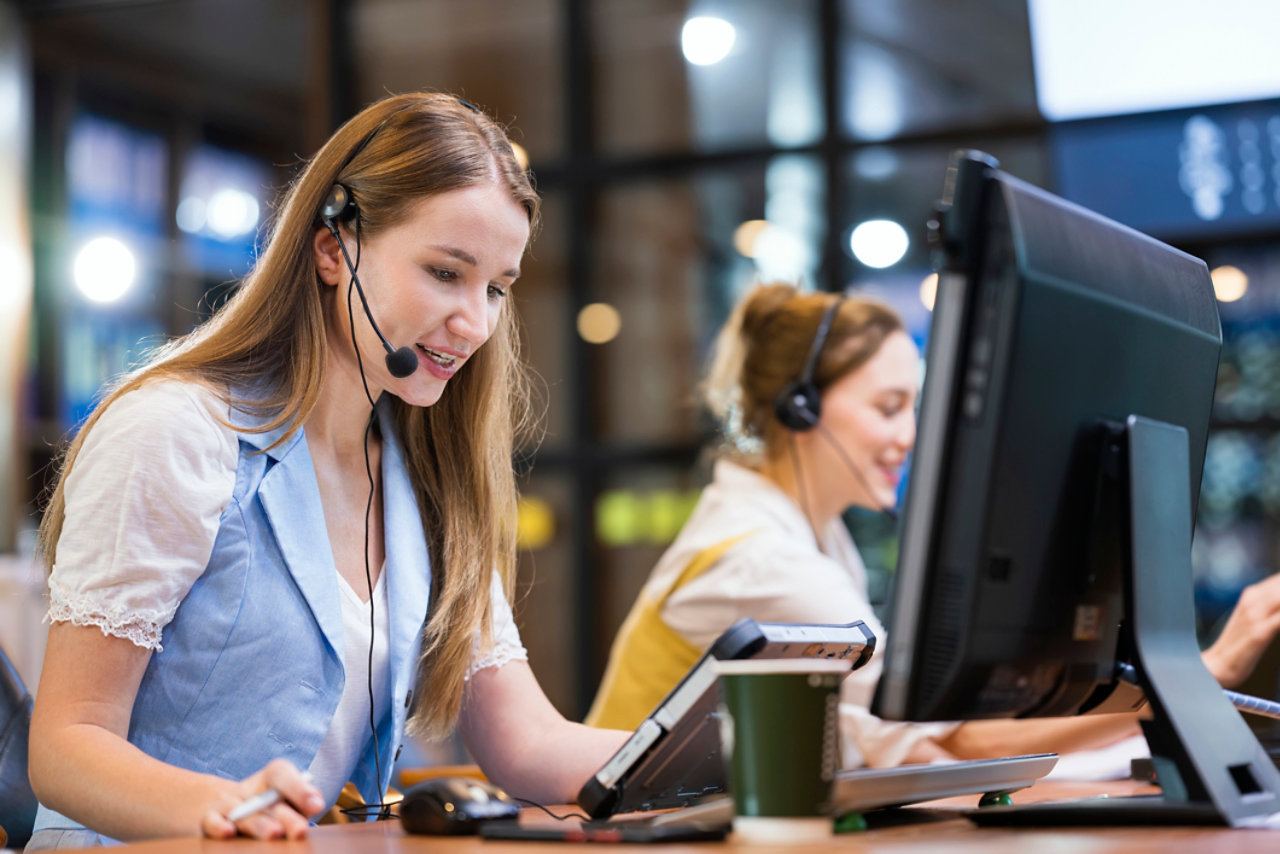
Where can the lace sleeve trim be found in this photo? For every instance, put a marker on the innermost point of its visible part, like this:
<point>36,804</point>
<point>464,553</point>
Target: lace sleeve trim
<point>139,629</point>
<point>503,652</point>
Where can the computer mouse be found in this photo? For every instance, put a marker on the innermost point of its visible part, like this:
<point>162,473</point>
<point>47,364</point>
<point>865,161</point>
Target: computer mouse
<point>454,805</point>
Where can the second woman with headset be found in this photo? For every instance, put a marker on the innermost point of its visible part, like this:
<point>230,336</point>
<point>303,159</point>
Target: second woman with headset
<point>816,397</point>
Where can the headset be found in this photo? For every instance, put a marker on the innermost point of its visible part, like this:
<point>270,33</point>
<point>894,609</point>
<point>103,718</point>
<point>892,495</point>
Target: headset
<point>798,406</point>
<point>340,206</point>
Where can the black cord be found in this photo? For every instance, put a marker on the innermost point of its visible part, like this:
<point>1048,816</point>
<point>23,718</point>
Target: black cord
<point>888,511</point>
<point>364,811</point>
<point>550,813</point>
<point>351,317</point>
<point>379,811</point>
<point>382,807</point>
<point>368,577</point>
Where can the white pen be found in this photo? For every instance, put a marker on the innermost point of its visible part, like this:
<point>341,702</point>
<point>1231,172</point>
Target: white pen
<point>259,802</point>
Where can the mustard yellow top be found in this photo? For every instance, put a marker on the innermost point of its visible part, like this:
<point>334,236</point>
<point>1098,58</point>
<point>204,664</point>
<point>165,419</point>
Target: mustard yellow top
<point>649,657</point>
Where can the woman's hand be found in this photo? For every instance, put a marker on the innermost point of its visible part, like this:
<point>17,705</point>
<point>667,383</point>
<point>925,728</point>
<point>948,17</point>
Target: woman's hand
<point>79,754</point>
<point>287,818</point>
<point>1250,629</point>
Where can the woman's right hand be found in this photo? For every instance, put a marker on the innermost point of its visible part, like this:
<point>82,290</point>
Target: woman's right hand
<point>286,819</point>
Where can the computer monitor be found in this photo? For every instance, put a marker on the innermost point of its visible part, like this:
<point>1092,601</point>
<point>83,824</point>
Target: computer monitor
<point>1046,535</point>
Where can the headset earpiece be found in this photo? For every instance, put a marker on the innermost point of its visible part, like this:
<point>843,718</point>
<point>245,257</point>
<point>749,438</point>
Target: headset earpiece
<point>799,408</point>
<point>338,206</point>
<point>799,405</point>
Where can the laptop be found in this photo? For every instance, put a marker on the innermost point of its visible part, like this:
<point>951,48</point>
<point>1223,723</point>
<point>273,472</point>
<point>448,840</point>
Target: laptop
<point>673,758</point>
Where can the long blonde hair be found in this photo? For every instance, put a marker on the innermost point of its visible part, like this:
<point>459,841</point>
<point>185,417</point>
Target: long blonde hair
<point>270,336</point>
<point>763,346</point>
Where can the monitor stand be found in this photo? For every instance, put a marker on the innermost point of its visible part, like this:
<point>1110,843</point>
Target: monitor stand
<point>1208,763</point>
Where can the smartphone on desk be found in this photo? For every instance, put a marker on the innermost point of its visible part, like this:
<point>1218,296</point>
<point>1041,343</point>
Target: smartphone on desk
<point>602,831</point>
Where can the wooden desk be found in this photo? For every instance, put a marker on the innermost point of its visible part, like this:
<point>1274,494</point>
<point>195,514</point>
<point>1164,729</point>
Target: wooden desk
<point>941,833</point>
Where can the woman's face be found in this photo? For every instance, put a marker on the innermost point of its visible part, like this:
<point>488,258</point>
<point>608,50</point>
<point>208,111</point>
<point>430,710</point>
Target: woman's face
<point>870,415</point>
<point>436,283</point>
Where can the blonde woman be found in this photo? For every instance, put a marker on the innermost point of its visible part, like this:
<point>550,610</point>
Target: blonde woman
<point>286,539</point>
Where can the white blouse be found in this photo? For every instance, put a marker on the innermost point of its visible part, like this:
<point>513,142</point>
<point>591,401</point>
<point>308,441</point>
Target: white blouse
<point>143,503</point>
<point>349,730</point>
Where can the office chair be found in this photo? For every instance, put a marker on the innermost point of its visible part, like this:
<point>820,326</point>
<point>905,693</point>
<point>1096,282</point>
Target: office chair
<point>17,801</point>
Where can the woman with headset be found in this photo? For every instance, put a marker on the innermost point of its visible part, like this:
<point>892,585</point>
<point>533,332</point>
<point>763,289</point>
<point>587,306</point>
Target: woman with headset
<point>286,538</point>
<point>816,396</point>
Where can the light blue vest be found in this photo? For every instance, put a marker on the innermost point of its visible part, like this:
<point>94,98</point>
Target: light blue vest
<point>252,666</point>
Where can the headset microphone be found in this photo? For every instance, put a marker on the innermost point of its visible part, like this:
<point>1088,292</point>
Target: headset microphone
<point>401,363</point>
<point>857,473</point>
<point>339,205</point>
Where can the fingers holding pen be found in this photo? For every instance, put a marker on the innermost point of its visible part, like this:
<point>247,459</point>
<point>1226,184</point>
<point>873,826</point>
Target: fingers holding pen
<point>279,821</point>
<point>292,823</point>
<point>270,804</point>
<point>281,800</point>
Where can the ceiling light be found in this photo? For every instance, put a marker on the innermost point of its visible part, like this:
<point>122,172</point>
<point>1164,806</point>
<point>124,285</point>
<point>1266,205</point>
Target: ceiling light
<point>780,254</point>
<point>599,323</point>
<point>746,235</point>
<point>929,290</point>
<point>706,41</point>
<point>1229,283</point>
<point>522,156</point>
<point>104,269</point>
<point>879,243</point>
<point>190,215</point>
<point>232,213</point>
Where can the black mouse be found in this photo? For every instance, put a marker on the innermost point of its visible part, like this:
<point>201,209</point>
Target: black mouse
<point>453,805</point>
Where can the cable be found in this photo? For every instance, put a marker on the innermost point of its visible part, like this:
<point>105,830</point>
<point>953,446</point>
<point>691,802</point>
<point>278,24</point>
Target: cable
<point>1254,705</point>
<point>1244,702</point>
<point>1126,672</point>
<point>364,811</point>
<point>378,811</point>
<point>384,809</point>
<point>550,813</point>
<point>840,451</point>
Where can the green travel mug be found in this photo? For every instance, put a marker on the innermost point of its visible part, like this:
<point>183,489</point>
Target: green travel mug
<point>779,732</point>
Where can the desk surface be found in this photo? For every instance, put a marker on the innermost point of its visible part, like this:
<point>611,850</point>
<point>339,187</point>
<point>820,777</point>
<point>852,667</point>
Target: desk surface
<point>903,836</point>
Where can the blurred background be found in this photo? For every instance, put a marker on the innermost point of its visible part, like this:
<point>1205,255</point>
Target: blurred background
<point>685,149</point>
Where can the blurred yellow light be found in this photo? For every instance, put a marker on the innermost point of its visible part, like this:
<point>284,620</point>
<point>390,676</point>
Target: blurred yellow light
<point>522,156</point>
<point>745,236</point>
<point>599,323</point>
<point>668,511</point>
<point>535,523</point>
<point>619,518</point>
<point>929,290</point>
<point>1229,283</point>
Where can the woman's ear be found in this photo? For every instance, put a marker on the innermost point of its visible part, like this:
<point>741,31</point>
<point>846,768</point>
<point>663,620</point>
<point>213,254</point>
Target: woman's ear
<point>328,256</point>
